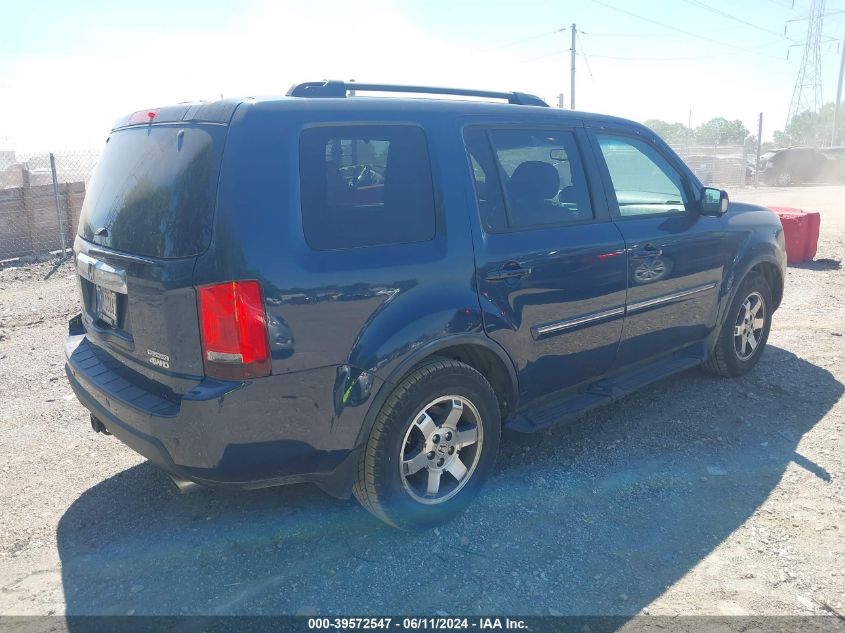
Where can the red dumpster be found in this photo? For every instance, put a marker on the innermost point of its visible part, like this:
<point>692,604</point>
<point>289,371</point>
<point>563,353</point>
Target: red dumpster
<point>800,232</point>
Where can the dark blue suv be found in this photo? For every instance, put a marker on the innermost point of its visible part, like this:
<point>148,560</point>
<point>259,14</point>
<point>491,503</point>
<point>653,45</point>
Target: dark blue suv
<point>361,292</point>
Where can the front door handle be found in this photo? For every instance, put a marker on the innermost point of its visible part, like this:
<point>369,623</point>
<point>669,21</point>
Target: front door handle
<point>649,250</point>
<point>508,272</point>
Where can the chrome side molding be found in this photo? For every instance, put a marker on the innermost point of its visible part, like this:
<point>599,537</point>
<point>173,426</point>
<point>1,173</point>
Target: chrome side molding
<point>539,331</point>
<point>650,303</point>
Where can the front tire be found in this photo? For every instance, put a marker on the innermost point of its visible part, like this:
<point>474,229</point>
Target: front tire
<point>745,331</point>
<point>433,444</point>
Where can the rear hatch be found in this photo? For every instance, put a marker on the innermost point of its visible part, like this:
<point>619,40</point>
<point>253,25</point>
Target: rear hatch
<point>148,214</point>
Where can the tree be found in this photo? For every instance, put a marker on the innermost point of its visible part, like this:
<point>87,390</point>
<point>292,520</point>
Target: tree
<point>670,132</point>
<point>720,131</point>
<point>811,128</point>
<point>781,139</point>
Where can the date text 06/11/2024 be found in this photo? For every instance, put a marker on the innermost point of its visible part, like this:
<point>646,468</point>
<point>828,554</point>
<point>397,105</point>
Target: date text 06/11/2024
<point>419,623</point>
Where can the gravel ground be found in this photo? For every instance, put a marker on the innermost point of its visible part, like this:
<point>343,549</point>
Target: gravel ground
<point>695,496</point>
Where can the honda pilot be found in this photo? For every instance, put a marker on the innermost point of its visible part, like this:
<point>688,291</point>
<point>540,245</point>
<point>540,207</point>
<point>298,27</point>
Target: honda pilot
<point>362,292</point>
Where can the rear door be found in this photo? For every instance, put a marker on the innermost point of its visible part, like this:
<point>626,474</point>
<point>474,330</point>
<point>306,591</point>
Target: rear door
<point>676,256</point>
<point>550,264</point>
<point>147,215</point>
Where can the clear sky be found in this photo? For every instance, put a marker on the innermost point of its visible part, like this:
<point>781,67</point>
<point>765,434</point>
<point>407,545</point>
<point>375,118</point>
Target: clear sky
<point>69,69</point>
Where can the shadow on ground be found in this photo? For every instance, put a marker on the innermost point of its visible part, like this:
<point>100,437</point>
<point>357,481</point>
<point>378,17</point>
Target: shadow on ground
<point>824,263</point>
<point>593,518</point>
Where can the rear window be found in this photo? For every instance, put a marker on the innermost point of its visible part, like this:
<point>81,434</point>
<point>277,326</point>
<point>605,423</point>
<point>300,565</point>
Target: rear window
<point>365,186</point>
<point>154,189</point>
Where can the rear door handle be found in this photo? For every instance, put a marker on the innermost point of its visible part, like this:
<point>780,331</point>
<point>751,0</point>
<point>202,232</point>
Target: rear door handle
<point>649,250</point>
<point>509,272</point>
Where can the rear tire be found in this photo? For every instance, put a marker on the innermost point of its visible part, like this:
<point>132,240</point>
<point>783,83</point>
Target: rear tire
<point>433,444</point>
<point>744,332</point>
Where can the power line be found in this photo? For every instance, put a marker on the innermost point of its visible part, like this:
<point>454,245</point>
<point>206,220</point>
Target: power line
<point>522,41</point>
<point>661,59</point>
<point>676,58</point>
<point>539,57</point>
<point>689,33</point>
<point>784,6</point>
<point>631,33</point>
<point>584,53</point>
<point>707,7</point>
<point>626,59</point>
<point>823,14</point>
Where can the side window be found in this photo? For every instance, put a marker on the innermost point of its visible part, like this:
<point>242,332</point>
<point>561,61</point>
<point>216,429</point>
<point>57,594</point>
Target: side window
<point>478,172</point>
<point>491,204</point>
<point>644,182</point>
<point>365,186</point>
<point>532,178</point>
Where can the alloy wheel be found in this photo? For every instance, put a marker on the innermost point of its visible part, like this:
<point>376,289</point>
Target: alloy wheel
<point>441,449</point>
<point>749,326</point>
<point>784,179</point>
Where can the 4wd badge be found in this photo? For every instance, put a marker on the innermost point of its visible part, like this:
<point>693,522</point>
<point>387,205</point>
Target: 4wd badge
<point>159,359</point>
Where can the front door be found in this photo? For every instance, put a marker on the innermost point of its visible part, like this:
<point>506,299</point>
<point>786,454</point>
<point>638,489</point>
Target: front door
<point>550,265</point>
<point>676,256</point>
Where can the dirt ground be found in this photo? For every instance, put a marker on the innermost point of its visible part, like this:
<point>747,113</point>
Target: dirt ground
<point>695,496</point>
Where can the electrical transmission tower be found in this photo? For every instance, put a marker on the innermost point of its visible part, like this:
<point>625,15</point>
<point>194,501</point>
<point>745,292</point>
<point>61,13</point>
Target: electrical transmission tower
<point>807,94</point>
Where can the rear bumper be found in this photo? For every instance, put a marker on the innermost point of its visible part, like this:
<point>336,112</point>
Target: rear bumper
<point>247,434</point>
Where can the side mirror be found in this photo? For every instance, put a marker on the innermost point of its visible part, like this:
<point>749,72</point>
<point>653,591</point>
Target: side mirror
<point>714,202</point>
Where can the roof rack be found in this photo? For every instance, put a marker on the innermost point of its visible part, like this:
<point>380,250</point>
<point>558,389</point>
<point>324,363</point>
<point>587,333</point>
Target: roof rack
<point>340,88</point>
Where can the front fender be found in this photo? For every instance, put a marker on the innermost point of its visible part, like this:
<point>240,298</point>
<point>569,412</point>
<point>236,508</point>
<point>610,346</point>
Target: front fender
<point>759,237</point>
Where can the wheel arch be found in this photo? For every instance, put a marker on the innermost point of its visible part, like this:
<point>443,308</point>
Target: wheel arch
<point>761,250</point>
<point>773,276</point>
<point>765,265</point>
<point>475,350</point>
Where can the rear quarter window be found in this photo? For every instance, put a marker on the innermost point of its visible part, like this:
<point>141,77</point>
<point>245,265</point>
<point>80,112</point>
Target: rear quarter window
<point>365,186</point>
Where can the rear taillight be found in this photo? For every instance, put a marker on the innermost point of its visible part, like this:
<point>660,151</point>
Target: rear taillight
<point>233,330</point>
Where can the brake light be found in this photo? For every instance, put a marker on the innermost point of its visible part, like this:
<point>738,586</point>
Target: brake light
<point>143,116</point>
<point>233,330</point>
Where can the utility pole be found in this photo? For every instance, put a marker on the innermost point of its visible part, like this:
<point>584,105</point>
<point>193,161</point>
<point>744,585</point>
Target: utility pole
<point>560,101</point>
<point>689,128</point>
<point>572,72</point>
<point>759,140</point>
<point>834,134</point>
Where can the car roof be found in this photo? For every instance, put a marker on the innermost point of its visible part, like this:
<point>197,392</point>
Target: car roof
<point>222,111</point>
<point>426,105</point>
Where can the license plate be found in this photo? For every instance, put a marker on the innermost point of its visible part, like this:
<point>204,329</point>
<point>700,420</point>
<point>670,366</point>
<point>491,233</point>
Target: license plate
<point>107,306</point>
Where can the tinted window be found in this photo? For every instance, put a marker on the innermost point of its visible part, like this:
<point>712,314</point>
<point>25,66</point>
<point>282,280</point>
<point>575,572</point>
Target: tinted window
<point>153,190</point>
<point>365,186</point>
<point>538,171</point>
<point>644,182</point>
<point>488,190</point>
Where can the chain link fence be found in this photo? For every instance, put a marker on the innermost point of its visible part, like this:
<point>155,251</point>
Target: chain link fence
<point>41,195</point>
<point>719,165</point>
